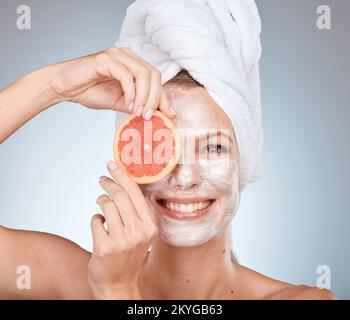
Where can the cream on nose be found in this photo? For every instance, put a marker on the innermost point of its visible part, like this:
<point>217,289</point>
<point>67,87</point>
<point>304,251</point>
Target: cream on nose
<point>185,177</point>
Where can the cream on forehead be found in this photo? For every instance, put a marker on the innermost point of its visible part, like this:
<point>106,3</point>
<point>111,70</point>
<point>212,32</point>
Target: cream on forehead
<point>196,107</point>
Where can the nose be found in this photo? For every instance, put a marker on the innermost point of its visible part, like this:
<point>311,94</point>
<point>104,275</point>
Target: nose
<point>185,177</point>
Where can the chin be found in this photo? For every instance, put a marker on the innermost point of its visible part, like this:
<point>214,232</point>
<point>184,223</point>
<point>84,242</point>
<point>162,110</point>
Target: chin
<point>177,241</point>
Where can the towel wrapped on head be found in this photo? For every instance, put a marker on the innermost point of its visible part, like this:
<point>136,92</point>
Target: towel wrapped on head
<point>218,43</point>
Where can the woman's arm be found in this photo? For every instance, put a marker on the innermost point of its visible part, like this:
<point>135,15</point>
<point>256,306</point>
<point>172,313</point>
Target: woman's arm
<point>114,79</point>
<point>38,265</point>
<point>24,99</point>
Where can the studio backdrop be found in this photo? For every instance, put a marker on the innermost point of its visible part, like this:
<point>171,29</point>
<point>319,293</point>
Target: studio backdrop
<point>292,225</point>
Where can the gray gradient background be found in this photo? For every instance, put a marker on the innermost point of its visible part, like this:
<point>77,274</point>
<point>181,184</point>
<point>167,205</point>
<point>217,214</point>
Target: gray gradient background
<point>295,219</point>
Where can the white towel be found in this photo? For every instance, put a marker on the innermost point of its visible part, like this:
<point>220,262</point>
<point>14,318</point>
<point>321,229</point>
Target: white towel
<point>218,43</point>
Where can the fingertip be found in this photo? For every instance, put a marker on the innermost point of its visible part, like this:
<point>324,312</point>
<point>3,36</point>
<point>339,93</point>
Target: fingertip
<point>130,106</point>
<point>172,112</point>
<point>97,217</point>
<point>165,106</point>
<point>111,165</point>
<point>147,114</point>
<point>102,179</point>
<point>169,112</point>
<point>139,111</point>
<point>166,109</point>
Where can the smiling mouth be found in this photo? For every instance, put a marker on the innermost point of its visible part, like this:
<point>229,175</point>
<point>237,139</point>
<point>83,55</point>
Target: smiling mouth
<point>182,209</point>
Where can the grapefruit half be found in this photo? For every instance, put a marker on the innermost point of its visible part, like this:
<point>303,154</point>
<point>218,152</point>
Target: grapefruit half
<point>147,150</point>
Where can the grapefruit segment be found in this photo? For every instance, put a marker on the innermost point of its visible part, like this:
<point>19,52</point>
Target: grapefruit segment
<point>147,150</point>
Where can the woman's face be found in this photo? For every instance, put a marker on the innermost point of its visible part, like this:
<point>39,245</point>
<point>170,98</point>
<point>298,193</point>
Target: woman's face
<point>199,198</point>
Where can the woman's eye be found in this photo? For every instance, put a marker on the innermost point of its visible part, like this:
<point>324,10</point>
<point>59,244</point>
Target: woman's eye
<point>213,151</point>
<point>215,148</point>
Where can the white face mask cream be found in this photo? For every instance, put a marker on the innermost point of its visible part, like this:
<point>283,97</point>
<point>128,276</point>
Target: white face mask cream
<point>198,199</point>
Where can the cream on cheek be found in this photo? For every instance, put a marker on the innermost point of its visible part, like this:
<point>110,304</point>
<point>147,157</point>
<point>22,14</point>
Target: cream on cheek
<point>219,181</point>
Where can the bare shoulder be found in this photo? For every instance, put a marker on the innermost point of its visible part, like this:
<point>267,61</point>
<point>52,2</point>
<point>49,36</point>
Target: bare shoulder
<point>57,265</point>
<point>263,287</point>
<point>303,292</point>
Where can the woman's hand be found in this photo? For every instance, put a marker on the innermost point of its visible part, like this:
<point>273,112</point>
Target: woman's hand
<point>119,251</point>
<point>115,79</point>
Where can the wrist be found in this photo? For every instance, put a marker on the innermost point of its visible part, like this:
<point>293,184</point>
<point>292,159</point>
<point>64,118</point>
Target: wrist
<point>24,99</point>
<point>45,95</point>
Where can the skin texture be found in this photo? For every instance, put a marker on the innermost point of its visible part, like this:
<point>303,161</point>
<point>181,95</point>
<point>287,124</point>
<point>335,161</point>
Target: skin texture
<point>119,266</point>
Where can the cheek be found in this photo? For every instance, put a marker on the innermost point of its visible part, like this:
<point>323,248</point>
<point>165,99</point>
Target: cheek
<point>223,177</point>
<point>150,190</point>
<point>223,174</point>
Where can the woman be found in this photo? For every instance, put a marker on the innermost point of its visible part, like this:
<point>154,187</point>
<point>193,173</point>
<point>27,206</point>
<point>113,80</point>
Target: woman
<point>189,258</point>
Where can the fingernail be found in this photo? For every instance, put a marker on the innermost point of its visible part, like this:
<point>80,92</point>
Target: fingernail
<point>149,114</point>
<point>102,179</point>
<point>111,165</point>
<point>172,111</point>
<point>139,111</point>
<point>130,106</point>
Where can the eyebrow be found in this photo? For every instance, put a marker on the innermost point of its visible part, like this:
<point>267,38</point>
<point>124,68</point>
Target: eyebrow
<point>213,134</point>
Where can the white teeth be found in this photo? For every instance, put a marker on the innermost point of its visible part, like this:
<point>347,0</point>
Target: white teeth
<point>186,207</point>
<point>183,208</point>
<point>189,208</point>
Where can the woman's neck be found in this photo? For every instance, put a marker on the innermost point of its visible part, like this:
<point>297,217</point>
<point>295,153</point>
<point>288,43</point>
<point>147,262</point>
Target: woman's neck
<point>202,272</point>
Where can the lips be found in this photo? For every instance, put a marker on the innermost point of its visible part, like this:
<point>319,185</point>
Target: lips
<point>185,208</point>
